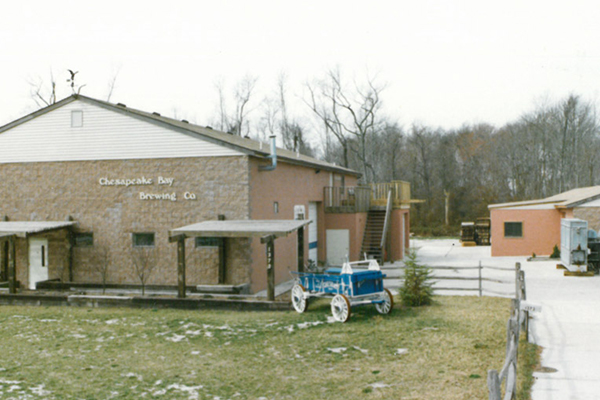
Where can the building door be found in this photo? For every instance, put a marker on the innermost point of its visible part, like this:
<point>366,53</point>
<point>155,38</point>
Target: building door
<point>38,261</point>
<point>313,232</point>
<point>338,246</point>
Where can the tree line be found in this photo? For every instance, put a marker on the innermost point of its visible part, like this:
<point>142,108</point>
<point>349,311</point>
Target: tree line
<point>456,172</point>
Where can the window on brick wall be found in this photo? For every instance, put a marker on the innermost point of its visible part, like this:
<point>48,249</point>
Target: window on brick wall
<point>84,239</point>
<point>143,239</point>
<point>208,242</point>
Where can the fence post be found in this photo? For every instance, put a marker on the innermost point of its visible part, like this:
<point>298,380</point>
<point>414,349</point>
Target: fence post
<point>480,283</point>
<point>493,382</point>
<point>517,286</point>
<point>523,296</point>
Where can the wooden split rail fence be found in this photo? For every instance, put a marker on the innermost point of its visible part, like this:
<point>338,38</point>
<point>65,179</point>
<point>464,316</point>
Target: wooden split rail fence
<point>461,276</point>
<point>518,321</point>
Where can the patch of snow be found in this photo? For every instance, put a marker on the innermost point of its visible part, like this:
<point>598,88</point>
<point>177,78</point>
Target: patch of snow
<point>379,385</point>
<point>78,336</point>
<point>9,382</point>
<point>400,352</point>
<point>132,375</point>
<point>337,350</point>
<point>176,338</point>
<point>208,334</point>
<point>195,353</point>
<point>361,350</point>
<point>39,390</point>
<point>112,321</point>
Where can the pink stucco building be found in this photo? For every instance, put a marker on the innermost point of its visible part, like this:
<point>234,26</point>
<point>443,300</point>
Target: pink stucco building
<point>527,227</point>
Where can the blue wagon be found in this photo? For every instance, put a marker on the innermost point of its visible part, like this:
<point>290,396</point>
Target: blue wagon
<point>351,285</point>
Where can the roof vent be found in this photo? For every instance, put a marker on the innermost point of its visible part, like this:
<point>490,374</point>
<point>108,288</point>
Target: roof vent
<point>185,121</point>
<point>155,113</point>
<point>209,127</point>
<point>121,104</point>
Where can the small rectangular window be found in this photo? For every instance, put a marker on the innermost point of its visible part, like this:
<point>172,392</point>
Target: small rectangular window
<point>208,242</point>
<point>513,229</point>
<point>76,119</point>
<point>84,239</point>
<point>143,240</point>
<point>276,207</point>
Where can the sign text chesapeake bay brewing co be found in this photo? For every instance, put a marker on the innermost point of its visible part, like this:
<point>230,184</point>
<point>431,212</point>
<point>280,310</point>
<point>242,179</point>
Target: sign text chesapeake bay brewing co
<point>143,181</point>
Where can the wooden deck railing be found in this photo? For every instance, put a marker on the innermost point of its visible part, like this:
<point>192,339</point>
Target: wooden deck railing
<point>347,199</point>
<point>400,193</point>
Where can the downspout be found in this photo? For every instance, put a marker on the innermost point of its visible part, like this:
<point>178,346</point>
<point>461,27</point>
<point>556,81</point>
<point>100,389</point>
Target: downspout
<point>272,156</point>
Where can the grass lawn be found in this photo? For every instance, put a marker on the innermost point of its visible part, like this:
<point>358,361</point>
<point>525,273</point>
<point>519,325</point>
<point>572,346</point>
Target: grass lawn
<point>441,351</point>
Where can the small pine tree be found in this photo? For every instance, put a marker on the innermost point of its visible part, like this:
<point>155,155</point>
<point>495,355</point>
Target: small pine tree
<point>555,252</point>
<point>417,290</point>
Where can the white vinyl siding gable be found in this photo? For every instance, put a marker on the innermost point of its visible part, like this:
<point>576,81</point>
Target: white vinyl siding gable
<point>104,135</point>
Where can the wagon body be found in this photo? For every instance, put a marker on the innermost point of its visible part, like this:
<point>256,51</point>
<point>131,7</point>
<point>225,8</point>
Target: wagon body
<point>348,286</point>
<point>333,281</point>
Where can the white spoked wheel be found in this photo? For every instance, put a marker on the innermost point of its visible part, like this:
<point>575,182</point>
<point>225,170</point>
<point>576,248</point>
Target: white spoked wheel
<point>298,300</point>
<point>340,308</point>
<point>388,303</point>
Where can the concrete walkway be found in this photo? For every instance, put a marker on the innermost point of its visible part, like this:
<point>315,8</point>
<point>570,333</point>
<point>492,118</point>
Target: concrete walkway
<point>568,328</point>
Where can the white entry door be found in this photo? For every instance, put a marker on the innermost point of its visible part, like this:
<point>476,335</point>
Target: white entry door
<point>312,232</point>
<point>38,261</point>
<point>338,246</point>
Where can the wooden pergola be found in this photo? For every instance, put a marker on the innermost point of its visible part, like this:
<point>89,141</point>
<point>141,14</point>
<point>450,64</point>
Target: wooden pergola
<point>267,230</point>
<point>10,230</point>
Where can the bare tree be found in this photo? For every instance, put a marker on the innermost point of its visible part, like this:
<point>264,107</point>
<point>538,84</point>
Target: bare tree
<point>112,84</point>
<point>43,94</point>
<point>351,114</point>
<point>145,260</point>
<point>236,121</point>
<point>101,263</point>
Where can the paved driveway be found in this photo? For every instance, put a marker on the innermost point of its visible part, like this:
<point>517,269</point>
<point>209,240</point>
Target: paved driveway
<point>568,328</point>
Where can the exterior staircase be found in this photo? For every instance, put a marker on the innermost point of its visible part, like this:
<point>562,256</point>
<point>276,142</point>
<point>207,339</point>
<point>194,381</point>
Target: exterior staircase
<point>371,244</point>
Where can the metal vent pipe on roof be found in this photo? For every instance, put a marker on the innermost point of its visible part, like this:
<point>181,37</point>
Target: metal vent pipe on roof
<point>272,156</point>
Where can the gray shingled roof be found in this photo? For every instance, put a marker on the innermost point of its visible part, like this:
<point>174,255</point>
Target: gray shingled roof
<point>247,146</point>
<point>566,199</point>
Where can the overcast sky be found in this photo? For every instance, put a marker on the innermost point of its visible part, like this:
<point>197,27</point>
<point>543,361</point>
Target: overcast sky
<point>445,62</point>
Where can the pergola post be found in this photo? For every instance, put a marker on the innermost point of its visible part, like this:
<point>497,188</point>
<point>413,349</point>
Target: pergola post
<point>181,267</point>
<point>270,242</point>
<point>71,240</point>
<point>222,265</point>
<point>4,261</point>
<point>301,249</point>
<point>12,260</point>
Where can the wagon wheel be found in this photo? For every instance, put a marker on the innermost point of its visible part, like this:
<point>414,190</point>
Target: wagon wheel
<point>340,308</point>
<point>298,300</point>
<point>388,303</point>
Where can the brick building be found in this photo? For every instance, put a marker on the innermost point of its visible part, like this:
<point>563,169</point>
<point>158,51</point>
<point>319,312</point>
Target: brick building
<point>109,181</point>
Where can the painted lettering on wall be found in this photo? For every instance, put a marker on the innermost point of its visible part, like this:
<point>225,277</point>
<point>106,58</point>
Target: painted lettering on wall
<point>143,181</point>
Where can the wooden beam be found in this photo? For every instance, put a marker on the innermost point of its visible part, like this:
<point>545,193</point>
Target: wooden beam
<point>12,261</point>
<point>71,244</point>
<point>270,242</point>
<point>222,256</point>
<point>181,268</point>
<point>176,238</point>
<point>4,260</point>
<point>301,250</point>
